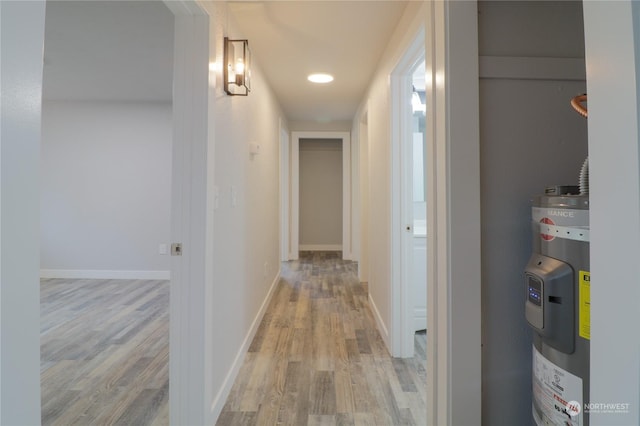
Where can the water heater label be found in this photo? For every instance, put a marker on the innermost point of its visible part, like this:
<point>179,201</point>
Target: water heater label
<point>557,394</point>
<point>572,224</point>
<point>561,217</point>
<point>584,319</point>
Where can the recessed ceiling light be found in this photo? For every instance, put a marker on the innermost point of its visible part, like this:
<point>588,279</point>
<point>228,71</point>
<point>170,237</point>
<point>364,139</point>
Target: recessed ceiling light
<point>320,78</point>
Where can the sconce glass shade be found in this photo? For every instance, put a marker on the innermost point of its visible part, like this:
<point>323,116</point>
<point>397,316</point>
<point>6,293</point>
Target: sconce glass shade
<point>237,67</point>
<point>418,102</point>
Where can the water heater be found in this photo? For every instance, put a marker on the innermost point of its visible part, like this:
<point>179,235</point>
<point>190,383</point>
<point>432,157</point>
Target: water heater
<point>557,306</point>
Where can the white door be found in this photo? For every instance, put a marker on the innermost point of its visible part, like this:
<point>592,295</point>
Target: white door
<point>417,205</point>
<point>408,120</point>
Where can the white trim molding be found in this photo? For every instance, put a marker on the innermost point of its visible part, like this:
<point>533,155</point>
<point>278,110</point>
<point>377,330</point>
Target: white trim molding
<point>22,32</point>
<point>295,189</point>
<point>191,346</point>
<point>104,274</point>
<point>294,198</point>
<point>612,46</point>
<point>454,356</point>
<point>360,195</point>
<point>320,247</point>
<point>285,191</point>
<point>402,331</point>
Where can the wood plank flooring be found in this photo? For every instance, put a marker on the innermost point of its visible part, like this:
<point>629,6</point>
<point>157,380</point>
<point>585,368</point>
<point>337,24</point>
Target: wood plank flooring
<point>318,359</point>
<point>104,352</point>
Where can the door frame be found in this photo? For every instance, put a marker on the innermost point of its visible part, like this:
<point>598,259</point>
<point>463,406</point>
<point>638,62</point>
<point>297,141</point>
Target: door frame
<point>22,33</point>
<point>294,172</point>
<point>190,346</point>
<point>402,333</point>
<point>360,198</point>
<point>613,72</point>
<point>285,191</point>
<point>190,343</point>
<point>454,355</point>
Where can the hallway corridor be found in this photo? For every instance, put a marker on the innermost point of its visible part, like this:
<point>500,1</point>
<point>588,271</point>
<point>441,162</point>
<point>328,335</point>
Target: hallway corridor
<point>318,359</point>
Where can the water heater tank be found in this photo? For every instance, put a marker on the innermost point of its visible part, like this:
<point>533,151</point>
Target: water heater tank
<point>557,307</point>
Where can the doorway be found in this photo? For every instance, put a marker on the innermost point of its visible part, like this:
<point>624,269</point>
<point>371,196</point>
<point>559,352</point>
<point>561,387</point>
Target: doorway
<point>409,209</point>
<point>292,170</point>
<point>106,156</point>
<point>417,202</point>
<point>320,195</point>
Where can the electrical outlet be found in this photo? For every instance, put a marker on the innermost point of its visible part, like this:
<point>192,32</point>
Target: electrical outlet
<point>234,196</point>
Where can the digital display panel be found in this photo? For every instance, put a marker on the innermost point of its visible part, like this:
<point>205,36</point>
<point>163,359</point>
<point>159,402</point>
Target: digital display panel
<point>534,290</point>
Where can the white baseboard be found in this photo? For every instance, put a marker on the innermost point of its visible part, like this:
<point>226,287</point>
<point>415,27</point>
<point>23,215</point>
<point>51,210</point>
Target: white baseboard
<point>320,247</point>
<point>104,274</point>
<point>218,402</point>
<point>420,318</point>
<point>384,333</point>
<point>348,256</point>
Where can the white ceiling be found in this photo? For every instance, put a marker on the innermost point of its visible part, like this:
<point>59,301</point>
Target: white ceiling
<point>122,50</point>
<point>292,39</point>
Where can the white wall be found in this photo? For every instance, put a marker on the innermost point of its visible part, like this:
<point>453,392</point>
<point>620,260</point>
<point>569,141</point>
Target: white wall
<point>360,189</point>
<point>22,34</point>
<point>245,263</point>
<point>453,263</point>
<point>320,194</point>
<point>375,162</point>
<point>613,54</point>
<point>191,345</point>
<point>530,137</point>
<point>106,189</point>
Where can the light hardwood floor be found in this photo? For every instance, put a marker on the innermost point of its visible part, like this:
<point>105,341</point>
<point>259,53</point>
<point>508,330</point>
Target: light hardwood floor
<point>104,352</point>
<point>318,359</point>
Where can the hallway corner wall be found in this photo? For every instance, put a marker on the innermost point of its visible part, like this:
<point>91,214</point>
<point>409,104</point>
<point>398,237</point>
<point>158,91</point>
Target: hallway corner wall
<point>378,162</point>
<point>246,214</point>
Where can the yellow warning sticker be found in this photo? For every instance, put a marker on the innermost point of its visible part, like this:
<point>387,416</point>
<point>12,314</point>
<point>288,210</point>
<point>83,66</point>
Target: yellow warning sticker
<point>584,325</point>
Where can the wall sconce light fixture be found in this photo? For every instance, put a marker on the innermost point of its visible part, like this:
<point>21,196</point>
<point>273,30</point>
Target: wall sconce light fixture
<point>237,67</point>
<point>418,102</point>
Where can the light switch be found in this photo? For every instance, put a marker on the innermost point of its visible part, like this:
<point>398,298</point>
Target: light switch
<point>254,148</point>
